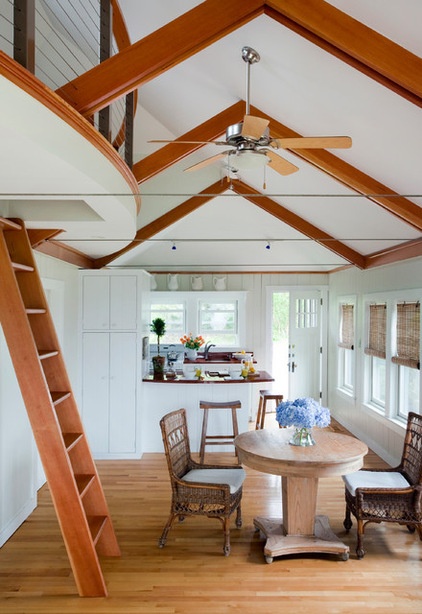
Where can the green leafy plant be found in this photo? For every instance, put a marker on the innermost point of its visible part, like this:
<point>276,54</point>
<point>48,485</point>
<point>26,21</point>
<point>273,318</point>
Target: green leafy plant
<point>158,327</point>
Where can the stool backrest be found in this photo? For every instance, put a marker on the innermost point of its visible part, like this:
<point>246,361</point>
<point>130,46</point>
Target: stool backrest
<point>174,431</point>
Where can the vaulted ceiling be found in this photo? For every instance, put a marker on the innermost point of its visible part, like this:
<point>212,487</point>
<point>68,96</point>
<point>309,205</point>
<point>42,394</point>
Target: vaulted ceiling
<point>326,68</point>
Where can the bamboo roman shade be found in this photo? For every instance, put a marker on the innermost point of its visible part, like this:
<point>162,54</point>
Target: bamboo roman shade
<point>408,335</point>
<point>377,331</point>
<point>347,329</point>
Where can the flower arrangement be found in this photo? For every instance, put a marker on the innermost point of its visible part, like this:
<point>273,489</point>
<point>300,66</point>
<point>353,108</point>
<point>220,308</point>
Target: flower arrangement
<point>302,413</point>
<point>192,343</point>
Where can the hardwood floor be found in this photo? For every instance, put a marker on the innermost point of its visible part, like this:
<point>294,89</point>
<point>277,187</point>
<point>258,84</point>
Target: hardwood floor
<point>190,575</point>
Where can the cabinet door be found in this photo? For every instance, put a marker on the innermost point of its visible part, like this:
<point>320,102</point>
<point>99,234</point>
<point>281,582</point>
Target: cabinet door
<point>95,390</point>
<point>123,302</point>
<point>122,418</point>
<point>96,302</point>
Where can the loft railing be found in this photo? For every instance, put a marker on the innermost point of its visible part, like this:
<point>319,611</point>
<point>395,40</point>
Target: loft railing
<point>58,40</point>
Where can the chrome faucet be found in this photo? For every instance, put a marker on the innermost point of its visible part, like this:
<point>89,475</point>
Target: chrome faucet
<point>207,348</point>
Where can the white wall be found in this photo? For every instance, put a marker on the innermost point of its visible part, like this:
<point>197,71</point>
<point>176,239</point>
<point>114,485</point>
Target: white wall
<point>19,465</point>
<point>382,435</point>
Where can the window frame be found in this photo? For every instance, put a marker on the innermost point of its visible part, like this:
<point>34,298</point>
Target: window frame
<point>392,409</point>
<point>346,354</point>
<point>192,300</point>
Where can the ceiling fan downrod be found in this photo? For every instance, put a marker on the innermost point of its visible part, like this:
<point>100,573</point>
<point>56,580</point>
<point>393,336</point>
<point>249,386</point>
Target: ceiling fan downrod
<point>250,56</point>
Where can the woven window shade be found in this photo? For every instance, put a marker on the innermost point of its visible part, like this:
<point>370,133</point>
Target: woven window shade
<point>408,335</point>
<point>347,332</point>
<point>377,331</point>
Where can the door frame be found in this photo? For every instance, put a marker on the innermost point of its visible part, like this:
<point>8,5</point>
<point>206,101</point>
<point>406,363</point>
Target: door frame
<point>323,289</point>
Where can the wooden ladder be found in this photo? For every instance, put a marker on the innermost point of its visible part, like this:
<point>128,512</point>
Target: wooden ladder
<point>71,474</point>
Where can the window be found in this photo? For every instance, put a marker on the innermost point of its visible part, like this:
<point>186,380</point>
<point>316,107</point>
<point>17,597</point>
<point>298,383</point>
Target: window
<point>306,314</point>
<point>406,357</point>
<point>346,343</point>
<point>376,352</point>
<point>174,316</point>
<point>220,320</point>
<point>220,317</point>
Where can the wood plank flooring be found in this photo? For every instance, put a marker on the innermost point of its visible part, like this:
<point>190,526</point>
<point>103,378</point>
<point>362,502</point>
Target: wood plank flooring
<point>190,575</point>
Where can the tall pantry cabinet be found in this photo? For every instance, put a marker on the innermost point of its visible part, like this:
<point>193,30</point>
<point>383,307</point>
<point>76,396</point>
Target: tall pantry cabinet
<point>114,319</point>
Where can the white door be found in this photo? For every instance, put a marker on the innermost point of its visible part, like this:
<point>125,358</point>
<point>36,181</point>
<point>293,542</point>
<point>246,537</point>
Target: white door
<point>305,350</point>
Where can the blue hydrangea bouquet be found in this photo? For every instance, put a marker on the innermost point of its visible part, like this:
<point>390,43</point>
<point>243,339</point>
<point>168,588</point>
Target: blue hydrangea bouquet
<point>303,414</point>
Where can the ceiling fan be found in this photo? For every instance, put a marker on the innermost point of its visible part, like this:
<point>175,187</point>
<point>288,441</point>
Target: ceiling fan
<point>251,143</point>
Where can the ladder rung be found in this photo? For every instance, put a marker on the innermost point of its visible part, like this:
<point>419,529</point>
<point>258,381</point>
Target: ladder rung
<point>84,482</point>
<point>96,526</point>
<point>32,310</point>
<point>17,266</point>
<point>71,439</point>
<point>58,397</point>
<point>42,354</point>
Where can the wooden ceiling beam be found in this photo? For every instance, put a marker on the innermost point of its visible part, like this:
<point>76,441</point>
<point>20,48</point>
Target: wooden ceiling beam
<point>299,224</point>
<point>353,42</point>
<point>404,251</point>
<point>321,23</point>
<point>350,176</point>
<point>63,252</point>
<point>158,52</point>
<point>171,153</point>
<point>166,220</point>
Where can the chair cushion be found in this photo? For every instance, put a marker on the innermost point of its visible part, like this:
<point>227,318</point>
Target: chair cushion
<point>374,479</point>
<point>233,477</point>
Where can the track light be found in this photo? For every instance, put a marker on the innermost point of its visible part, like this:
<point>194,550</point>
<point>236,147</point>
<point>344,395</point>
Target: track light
<point>173,247</point>
<point>268,246</point>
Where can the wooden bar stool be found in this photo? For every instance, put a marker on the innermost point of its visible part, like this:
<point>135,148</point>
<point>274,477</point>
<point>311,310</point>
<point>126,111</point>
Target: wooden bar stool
<point>217,440</point>
<point>264,396</point>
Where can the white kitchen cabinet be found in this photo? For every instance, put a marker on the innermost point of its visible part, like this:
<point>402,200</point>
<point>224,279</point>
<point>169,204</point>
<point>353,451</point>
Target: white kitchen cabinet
<point>109,302</point>
<point>114,317</point>
<point>109,391</point>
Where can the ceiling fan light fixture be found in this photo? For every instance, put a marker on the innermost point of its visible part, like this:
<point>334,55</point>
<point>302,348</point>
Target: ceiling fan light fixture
<point>249,160</point>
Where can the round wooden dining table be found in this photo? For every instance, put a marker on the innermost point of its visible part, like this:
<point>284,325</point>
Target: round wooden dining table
<point>300,529</point>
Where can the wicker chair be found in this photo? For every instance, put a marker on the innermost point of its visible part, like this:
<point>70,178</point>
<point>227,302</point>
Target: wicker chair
<point>392,495</point>
<point>198,489</point>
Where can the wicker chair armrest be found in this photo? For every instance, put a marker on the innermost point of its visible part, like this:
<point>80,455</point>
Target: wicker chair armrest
<point>362,493</point>
<point>385,469</point>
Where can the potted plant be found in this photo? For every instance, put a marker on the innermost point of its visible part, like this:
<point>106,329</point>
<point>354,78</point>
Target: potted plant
<point>158,327</point>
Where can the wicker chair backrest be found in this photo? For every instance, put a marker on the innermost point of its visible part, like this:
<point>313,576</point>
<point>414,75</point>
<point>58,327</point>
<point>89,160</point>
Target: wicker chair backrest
<point>174,430</point>
<point>411,464</point>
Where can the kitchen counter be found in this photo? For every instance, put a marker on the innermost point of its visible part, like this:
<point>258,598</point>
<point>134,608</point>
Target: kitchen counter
<point>162,396</point>
<point>257,378</point>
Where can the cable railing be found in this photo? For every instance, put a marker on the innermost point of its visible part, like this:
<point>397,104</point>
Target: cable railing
<point>6,27</point>
<point>71,37</point>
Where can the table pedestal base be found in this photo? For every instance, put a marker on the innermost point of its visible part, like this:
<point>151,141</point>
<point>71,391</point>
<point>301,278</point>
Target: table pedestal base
<point>280,544</point>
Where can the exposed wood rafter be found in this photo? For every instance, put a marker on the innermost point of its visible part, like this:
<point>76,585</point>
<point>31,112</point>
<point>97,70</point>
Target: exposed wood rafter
<point>166,220</point>
<point>157,53</point>
<point>323,24</point>
<point>298,223</point>
<point>170,154</point>
<point>351,177</point>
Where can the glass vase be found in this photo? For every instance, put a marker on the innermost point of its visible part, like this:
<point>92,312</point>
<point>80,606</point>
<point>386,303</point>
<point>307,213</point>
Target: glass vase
<point>302,437</point>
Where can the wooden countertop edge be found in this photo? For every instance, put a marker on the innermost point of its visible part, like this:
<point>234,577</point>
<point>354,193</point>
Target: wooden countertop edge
<point>259,379</point>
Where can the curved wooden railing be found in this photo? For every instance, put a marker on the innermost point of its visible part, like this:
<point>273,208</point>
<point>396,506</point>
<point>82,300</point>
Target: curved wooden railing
<point>21,77</point>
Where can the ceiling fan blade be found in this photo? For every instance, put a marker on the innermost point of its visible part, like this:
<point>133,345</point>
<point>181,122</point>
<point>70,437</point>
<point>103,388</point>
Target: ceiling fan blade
<point>190,142</point>
<point>314,142</point>
<point>280,165</point>
<point>254,127</point>
<point>205,162</point>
